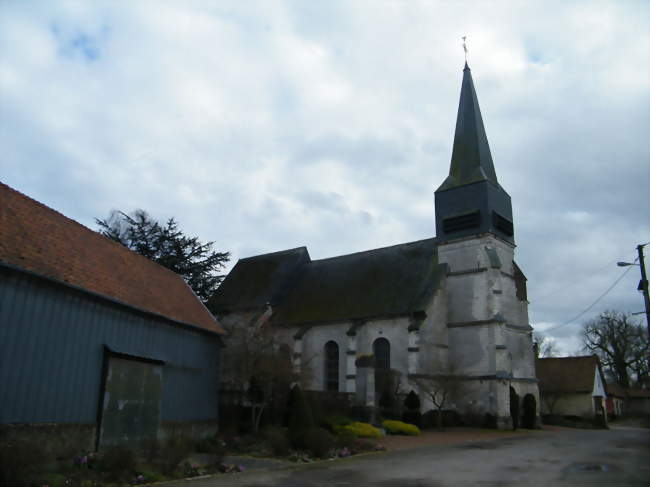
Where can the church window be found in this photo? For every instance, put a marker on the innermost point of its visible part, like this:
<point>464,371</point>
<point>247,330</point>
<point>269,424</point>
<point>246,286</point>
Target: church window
<point>331,366</point>
<point>381,349</point>
<point>503,224</point>
<point>462,222</point>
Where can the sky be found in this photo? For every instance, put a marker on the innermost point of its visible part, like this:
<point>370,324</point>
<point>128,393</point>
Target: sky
<point>270,125</point>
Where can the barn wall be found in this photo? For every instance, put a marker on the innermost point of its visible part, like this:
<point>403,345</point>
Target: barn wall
<point>52,341</point>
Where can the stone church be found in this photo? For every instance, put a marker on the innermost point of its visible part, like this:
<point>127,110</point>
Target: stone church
<point>453,305</point>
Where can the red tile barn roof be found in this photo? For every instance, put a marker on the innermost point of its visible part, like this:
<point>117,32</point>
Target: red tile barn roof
<point>39,239</point>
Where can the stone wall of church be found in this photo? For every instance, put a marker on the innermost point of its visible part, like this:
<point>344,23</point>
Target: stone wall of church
<point>520,352</point>
<point>472,349</point>
<point>432,339</point>
<point>313,341</point>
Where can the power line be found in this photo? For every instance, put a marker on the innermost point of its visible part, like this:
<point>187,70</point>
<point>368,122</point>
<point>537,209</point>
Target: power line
<point>592,304</point>
<point>579,280</point>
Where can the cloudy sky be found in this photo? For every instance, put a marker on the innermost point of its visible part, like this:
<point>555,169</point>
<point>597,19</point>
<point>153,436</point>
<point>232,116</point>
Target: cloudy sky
<point>274,124</point>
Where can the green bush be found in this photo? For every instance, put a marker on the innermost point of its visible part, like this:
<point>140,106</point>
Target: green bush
<point>278,440</point>
<point>335,423</point>
<point>300,418</point>
<point>400,428</point>
<point>117,462</point>
<point>362,430</point>
<point>319,442</point>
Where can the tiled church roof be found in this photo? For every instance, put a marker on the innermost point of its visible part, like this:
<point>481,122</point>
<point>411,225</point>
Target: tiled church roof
<point>389,281</point>
<point>38,239</point>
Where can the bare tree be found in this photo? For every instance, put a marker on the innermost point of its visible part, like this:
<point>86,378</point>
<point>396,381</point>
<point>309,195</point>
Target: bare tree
<point>551,401</point>
<point>255,365</point>
<point>621,345</point>
<point>544,345</point>
<point>439,387</point>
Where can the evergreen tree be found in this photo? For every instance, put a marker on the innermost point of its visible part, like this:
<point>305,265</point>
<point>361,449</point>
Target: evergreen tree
<point>168,246</point>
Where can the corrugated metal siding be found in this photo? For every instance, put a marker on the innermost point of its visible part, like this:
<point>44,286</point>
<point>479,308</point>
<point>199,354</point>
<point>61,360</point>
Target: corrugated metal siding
<point>51,354</point>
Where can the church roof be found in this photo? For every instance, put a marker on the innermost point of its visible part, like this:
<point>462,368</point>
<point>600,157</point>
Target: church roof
<point>567,374</point>
<point>383,282</point>
<point>471,160</point>
<point>388,281</point>
<point>258,280</point>
<point>40,240</point>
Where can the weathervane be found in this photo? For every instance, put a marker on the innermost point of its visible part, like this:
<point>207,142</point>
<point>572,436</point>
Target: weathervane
<point>465,47</point>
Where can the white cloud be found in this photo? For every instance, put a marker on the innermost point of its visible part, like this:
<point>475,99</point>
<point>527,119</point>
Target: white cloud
<point>270,125</point>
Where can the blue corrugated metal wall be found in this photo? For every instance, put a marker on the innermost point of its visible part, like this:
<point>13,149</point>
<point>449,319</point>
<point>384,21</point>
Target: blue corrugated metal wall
<point>51,354</point>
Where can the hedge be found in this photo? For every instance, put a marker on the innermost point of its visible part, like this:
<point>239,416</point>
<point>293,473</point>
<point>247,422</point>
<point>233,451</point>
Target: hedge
<point>362,430</point>
<point>400,428</point>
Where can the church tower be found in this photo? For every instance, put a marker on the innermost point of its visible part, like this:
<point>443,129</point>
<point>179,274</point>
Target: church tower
<point>490,342</point>
<point>471,201</point>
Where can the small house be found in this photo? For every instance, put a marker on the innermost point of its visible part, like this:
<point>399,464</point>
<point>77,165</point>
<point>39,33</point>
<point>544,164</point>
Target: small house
<point>571,386</point>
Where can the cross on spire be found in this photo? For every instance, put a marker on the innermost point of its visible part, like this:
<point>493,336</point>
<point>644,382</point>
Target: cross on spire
<point>465,47</point>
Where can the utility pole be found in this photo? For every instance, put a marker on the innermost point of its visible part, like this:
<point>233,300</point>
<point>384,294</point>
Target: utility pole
<point>643,285</point>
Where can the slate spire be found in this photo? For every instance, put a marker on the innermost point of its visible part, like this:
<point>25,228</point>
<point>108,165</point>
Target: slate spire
<point>471,202</point>
<point>471,160</point>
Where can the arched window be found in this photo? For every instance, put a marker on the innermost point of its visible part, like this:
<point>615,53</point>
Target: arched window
<point>381,350</point>
<point>331,366</point>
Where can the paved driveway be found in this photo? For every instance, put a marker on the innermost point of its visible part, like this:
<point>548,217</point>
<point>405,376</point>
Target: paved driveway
<point>618,457</point>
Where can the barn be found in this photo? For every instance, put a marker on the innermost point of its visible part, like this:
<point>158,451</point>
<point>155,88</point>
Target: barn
<point>98,345</point>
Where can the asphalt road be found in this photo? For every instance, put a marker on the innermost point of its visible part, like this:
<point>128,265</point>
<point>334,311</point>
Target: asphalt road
<point>613,458</point>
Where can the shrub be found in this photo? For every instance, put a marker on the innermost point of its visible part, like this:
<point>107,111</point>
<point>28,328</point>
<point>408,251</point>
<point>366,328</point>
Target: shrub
<point>489,421</point>
<point>20,461</point>
<point>361,413</point>
<point>400,428</point>
<point>335,423</point>
<point>362,430</point>
<point>412,416</point>
<point>213,445</point>
<point>117,462</point>
<point>514,408</point>
<point>530,411</point>
<point>412,401</point>
<point>172,452</point>
<point>300,418</point>
<point>359,445</point>
<point>430,419</point>
<point>344,439</point>
<point>278,440</point>
<point>319,442</point>
<point>388,405</point>
<point>150,449</point>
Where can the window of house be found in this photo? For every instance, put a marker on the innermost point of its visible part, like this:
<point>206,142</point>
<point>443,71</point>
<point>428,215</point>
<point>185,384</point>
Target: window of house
<point>331,366</point>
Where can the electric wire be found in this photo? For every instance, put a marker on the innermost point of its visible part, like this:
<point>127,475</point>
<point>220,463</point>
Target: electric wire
<point>592,304</point>
<point>577,281</point>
